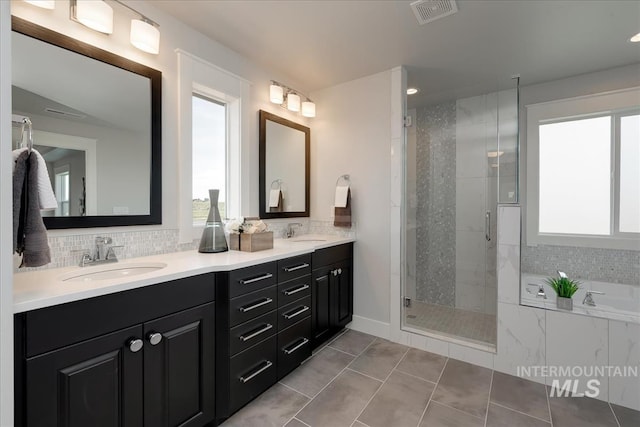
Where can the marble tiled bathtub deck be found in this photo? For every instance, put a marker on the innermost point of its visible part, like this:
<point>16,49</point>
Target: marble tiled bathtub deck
<point>468,325</point>
<point>359,380</point>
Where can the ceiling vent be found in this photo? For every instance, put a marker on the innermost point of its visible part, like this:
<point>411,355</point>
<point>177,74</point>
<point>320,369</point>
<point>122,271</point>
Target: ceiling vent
<point>67,114</point>
<point>430,10</point>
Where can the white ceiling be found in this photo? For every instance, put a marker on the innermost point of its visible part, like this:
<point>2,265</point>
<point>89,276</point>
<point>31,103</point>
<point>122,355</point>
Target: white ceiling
<point>323,43</point>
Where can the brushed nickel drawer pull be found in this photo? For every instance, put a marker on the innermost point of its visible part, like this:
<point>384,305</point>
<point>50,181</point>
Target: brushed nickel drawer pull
<point>292,350</point>
<point>255,279</point>
<point>256,333</point>
<point>246,308</point>
<point>297,313</point>
<point>254,374</point>
<point>297,267</point>
<point>296,290</point>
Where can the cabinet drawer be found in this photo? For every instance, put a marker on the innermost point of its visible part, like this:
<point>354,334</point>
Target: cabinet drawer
<point>294,267</point>
<point>294,312</point>
<point>249,333</point>
<point>252,372</point>
<point>252,278</point>
<point>294,346</point>
<point>327,256</point>
<point>293,290</point>
<point>252,305</point>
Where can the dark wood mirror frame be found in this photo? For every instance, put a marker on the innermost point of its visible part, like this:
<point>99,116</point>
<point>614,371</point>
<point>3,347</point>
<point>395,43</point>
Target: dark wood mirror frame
<point>264,116</point>
<point>155,203</point>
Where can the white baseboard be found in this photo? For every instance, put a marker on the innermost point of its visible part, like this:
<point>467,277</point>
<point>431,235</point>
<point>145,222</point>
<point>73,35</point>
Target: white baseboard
<point>370,326</point>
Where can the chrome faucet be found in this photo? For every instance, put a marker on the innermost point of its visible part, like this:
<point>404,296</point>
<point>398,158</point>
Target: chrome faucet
<point>102,253</point>
<point>541,293</point>
<point>588,298</point>
<point>290,232</point>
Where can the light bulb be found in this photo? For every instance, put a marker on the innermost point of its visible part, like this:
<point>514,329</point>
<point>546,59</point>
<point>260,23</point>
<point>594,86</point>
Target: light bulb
<point>308,109</point>
<point>293,102</point>
<point>276,94</point>
<point>145,36</point>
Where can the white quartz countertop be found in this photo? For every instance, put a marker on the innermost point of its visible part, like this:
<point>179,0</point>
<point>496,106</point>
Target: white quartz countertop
<point>44,288</point>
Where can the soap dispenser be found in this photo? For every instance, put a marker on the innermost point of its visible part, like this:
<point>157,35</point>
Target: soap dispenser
<point>213,239</point>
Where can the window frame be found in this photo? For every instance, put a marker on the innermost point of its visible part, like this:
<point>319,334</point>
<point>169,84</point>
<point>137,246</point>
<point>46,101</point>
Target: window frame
<point>616,104</point>
<point>196,75</point>
<point>208,95</point>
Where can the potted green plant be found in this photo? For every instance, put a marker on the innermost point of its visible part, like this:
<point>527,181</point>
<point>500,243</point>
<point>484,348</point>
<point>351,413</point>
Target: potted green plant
<point>565,288</point>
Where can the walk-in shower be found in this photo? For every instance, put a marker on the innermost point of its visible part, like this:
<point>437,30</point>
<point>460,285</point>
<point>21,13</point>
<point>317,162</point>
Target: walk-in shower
<point>461,161</point>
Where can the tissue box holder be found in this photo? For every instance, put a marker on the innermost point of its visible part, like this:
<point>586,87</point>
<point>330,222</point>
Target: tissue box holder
<point>251,242</point>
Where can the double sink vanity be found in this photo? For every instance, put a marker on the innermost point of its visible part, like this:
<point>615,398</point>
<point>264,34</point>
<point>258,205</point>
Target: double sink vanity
<point>182,339</point>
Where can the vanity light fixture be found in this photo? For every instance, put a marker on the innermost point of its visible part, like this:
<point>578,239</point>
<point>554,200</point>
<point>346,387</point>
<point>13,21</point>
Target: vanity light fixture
<point>291,99</point>
<point>45,4</point>
<point>98,15</point>
<point>635,39</point>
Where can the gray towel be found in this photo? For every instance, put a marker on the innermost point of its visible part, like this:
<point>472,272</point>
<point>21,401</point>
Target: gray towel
<point>29,232</point>
<point>342,216</point>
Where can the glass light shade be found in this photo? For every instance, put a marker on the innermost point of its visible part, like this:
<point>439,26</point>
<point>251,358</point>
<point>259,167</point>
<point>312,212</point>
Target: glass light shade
<point>308,109</point>
<point>276,94</point>
<point>45,4</point>
<point>145,36</point>
<point>96,15</point>
<point>635,39</point>
<point>293,102</point>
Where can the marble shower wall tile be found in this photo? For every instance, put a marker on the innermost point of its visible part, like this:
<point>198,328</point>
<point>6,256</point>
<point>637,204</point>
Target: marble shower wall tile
<point>577,341</point>
<point>521,339</point>
<point>509,274</point>
<point>624,351</point>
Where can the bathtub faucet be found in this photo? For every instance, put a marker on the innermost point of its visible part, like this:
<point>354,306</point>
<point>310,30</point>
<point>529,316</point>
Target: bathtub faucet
<point>588,298</point>
<point>541,293</point>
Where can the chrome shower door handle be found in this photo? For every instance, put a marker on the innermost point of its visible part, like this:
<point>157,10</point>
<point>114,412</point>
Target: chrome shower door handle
<point>487,226</point>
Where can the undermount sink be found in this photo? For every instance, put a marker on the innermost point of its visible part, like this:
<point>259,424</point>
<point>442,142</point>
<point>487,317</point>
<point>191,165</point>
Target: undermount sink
<point>112,271</point>
<point>294,240</point>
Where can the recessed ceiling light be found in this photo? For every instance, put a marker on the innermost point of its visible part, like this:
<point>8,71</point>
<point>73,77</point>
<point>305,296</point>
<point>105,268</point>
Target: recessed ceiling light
<point>412,91</point>
<point>635,39</point>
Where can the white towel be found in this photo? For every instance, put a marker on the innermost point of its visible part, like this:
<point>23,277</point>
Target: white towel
<point>341,196</point>
<point>45,192</point>
<point>274,198</point>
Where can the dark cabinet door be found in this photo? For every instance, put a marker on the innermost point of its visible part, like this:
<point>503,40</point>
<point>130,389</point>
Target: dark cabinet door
<point>341,294</point>
<point>320,305</point>
<point>179,369</point>
<point>95,383</point>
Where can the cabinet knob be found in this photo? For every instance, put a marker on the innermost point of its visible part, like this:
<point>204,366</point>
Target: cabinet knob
<point>339,271</point>
<point>135,345</point>
<point>154,338</point>
<point>334,272</point>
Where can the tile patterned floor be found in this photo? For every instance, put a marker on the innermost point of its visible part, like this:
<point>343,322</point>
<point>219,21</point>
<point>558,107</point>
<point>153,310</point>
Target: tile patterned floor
<point>455,322</point>
<point>358,380</point>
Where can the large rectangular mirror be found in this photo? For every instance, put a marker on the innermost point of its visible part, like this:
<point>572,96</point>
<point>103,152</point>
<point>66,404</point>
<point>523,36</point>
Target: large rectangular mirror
<point>97,123</point>
<point>284,167</point>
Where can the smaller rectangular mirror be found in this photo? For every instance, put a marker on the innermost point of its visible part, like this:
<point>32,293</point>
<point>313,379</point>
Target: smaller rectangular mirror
<point>284,167</point>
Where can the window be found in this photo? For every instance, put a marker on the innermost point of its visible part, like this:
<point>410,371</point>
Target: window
<point>213,153</point>
<point>62,190</point>
<point>583,174</point>
<point>209,153</point>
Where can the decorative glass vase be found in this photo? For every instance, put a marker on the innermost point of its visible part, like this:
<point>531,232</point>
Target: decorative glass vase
<point>213,239</point>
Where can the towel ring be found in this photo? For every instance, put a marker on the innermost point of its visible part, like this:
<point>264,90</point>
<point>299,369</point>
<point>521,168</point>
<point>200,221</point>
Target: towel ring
<point>276,181</point>
<point>345,177</point>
